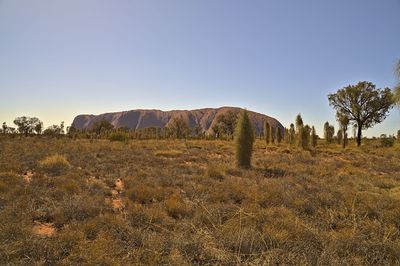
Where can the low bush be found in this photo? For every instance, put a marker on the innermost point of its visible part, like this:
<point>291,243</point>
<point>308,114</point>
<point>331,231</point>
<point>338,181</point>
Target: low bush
<point>387,141</point>
<point>55,164</point>
<point>119,136</point>
<point>176,208</point>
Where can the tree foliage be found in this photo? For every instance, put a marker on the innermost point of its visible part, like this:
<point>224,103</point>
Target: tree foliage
<point>343,123</point>
<point>179,128</point>
<point>363,104</point>
<point>267,132</point>
<point>28,125</point>
<point>396,90</point>
<point>102,125</point>
<point>225,124</point>
<point>292,134</point>
<point>329,132</point>
<point>314,137</point>
<point>299,130</point>
<point>244,140</point>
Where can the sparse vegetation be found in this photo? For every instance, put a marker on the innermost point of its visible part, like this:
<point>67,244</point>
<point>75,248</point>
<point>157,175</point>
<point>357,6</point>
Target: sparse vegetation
<point>193,206</point>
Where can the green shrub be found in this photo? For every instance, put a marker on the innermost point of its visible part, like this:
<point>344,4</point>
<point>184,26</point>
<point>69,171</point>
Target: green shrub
<point>244,140</point>
<point>55,164</point>
<point>387,141</point>
<point>119,136</point>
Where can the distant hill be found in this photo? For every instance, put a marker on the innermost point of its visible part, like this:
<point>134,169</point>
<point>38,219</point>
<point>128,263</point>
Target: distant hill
<point>137,119</point>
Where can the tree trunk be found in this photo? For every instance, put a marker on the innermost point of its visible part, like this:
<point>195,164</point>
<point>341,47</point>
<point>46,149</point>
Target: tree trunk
<point>359,134</point>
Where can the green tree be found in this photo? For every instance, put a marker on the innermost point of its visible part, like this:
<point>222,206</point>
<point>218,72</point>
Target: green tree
<point>244,140</point>
<point>53,131</point>
<point>398,135</point>
<point>339,136</point>
<point>329,132</point>
<point>344,123</point>
<point>26,125</point>
<point>273,135</point>
<point>98,127</point>
<point>38,127</point>
<point>299,130</point>
<point>299,123</point>
<point>178,128</point>
<point>396,90</point>
<point>267,132</point>
<point>292,134</point>
<point>197,131</point>
<point>4,127</point>
<point>314,137</point>
<point>225,124</point>
<point>279,135</point>
<point>305,136</point>
<point>363,104</point>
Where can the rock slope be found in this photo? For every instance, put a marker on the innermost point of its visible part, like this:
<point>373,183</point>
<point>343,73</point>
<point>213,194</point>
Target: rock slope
<point>137,119</point>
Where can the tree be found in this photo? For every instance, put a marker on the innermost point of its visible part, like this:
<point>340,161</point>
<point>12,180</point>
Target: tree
<point>344,123</point>
<point>225,124</point>
<point>272,135</point>
<point>39,127</point>
<point>267,132</point>
<point>4,127</point>
<point>26,125</point>
<point>363,104</point>
<point>299,123</point>
<point>279,135</point>
<point>396,90</point>
<point>398,135</point>
<point>305,136</point>
<point>339,136</point>
<point>98,127</point>
<point>53,131</point>
<point>197,130</point>
<point>62,127</point>
<point>314,137</point>
<point>292,134</point>
<point>178,128</point>
<point>244,140</point>
<point>329,132</point>
<point>299,130</point>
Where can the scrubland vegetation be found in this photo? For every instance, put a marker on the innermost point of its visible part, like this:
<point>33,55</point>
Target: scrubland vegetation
<point>178,202</point>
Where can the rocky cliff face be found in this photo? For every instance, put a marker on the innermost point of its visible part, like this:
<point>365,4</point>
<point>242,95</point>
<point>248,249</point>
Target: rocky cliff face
<point>137,119</point>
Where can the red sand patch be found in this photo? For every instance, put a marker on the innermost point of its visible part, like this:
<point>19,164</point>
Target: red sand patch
<point>27,176</point>
<point>44,229</point>
<point>119,185</point>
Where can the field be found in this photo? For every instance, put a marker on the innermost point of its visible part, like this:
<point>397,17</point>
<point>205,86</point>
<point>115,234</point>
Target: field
<point>182,202</point>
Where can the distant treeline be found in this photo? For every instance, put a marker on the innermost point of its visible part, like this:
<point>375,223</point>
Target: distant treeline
<point>297,134</point>
<point>361,106</point>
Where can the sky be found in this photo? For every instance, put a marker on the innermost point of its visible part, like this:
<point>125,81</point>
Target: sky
<point>61,58</point>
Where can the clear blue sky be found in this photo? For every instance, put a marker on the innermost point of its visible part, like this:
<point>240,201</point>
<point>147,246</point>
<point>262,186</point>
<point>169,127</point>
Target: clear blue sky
<point>63,58</point>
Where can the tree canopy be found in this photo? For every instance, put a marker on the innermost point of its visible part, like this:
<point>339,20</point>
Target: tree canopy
<point>27,125</point>
<point>396,90</point>
<point>363,104</point>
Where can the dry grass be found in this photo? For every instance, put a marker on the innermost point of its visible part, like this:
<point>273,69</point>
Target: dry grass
<point>185,202</point>
<point>55,164</point>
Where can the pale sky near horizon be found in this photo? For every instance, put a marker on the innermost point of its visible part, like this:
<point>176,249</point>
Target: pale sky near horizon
<point>61,58</point>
